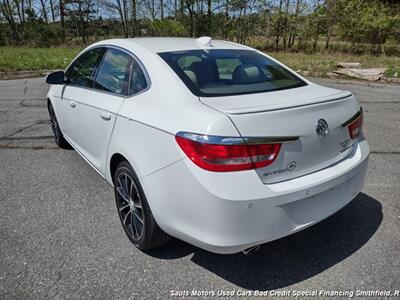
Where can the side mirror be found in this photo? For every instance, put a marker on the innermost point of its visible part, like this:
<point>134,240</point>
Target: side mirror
<point>56,78</point>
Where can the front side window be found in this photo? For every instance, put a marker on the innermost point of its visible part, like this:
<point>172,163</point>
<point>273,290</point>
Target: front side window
<point>80,72</point>
<point>113,72</point>
<point>211,73</point>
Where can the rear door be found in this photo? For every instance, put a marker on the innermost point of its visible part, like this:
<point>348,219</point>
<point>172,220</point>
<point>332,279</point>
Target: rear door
<point>100,105</point>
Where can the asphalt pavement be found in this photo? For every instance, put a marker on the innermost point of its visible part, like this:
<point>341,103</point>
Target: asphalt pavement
<point>60,236</point>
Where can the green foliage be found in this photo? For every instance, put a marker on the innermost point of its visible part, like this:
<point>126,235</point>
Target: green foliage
<point>4,36</point>
<point>167,27</point>
<point>368,22</point>
<point>393,72</point>
<point>347,26</point>
<point>21,59</point>
<point>261,44</point>
<point>41,34</point>
<point>392,48</point>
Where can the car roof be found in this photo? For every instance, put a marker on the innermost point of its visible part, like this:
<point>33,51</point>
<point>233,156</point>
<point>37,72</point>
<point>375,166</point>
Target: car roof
<point>168,44</point>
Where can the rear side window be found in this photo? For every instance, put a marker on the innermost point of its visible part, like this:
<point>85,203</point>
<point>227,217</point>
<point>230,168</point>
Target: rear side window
<point>113,72</point>
<point>138,81</point>
<point>80,72</point>
<point>222,72</point>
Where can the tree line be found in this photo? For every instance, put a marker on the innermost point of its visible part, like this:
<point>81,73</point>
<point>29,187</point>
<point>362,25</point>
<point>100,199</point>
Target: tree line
<point>355,26</point>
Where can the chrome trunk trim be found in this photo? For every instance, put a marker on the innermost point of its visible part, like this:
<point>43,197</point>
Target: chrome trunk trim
<point>225,140</point>
<point>352,119</point>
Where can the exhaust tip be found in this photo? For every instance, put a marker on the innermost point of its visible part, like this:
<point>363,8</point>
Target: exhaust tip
<point>251,250</point>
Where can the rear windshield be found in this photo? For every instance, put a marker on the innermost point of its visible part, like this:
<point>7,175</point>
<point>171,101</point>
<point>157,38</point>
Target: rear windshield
<point>211,73</point>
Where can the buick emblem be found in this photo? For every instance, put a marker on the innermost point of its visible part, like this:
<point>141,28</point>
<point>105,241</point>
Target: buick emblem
<point>322,128</point>
<point>291,166</point>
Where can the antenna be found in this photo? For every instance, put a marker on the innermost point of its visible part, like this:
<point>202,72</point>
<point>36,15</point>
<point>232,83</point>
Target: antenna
<point>204,41</point>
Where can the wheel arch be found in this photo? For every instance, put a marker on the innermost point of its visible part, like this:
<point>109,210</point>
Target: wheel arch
<point>49,102</point>
<point>115,160</point>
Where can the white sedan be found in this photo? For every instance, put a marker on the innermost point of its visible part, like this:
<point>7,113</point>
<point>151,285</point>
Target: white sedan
<point>208,141</point>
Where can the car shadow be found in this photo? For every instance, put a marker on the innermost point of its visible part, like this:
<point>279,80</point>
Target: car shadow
<point>294,258</point>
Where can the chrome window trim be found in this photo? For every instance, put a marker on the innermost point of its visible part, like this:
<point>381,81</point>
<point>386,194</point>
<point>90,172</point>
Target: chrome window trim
<point>134,57</point>
<point>352,119</point>
<point>94,68</point>
<point>225,140</point>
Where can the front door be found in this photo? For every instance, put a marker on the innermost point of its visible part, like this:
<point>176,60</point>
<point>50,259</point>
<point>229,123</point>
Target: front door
<point>79,76</point>
<point>68,111</point>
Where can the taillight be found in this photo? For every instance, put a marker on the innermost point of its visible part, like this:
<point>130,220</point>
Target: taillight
<point>356,126</point>
<point>225,154</point>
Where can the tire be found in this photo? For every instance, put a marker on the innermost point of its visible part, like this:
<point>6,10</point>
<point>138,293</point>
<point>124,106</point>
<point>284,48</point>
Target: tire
<point>55,127</point>
<point>134,211</point>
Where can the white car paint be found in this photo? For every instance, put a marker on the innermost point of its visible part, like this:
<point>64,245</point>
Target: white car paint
<point>223,212</point>
<point>69,116</point>
<point>96,119</point>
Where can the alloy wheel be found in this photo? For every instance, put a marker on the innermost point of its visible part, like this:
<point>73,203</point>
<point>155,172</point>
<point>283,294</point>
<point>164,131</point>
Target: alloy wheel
<point>129,204</point>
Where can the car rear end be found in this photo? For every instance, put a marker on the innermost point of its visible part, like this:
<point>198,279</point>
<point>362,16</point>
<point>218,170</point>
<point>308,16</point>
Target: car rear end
<point>299,156</point>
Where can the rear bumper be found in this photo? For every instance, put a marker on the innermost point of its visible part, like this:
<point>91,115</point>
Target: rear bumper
<point>229,212</point>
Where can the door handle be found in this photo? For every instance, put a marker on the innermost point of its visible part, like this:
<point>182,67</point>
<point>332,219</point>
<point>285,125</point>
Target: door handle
<point>72,104</point>
<point>105,115</point>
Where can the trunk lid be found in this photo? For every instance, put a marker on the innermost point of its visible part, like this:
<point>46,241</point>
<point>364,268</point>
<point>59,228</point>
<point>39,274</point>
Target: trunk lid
<point>289,113</point>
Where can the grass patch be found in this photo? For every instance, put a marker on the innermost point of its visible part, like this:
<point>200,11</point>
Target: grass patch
<point>30,59</point>
<point>320,64</point>
<point>393,72</point>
